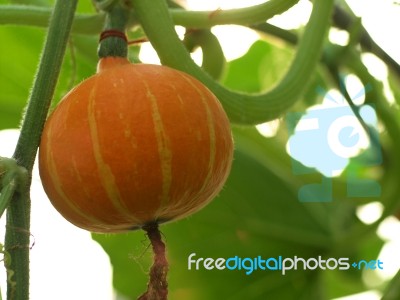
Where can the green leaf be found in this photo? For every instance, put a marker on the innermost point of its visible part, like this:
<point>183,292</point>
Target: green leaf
<point>393,290</point>
<point>339,283</point>
<point>260,68</point>
<point>17,68</point>
<point>130,257</point>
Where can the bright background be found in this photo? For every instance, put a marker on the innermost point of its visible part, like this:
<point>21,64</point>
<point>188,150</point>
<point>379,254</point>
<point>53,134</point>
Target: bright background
<point>60,248</point>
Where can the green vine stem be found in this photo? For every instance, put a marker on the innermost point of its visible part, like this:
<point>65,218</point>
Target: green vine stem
<point>240,16</point>
<point>116,21</point>
<point>39,16</point>
<point>241,108</point>
<point>93,24</point>
<point>254,16</point>
<point>18,213</point>
<point>214,60</point>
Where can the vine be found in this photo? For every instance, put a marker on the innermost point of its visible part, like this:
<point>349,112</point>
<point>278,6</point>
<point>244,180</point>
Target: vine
<point>18,211</point>
<point>214,60</point>
<point>93,24</point>
<point>39,16</point>
<point>253,17</point>
<point>240,16</point>
<point>241,108</point>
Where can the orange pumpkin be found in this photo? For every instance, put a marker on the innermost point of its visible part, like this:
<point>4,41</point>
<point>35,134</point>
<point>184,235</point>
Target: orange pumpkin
<point>132,145</point>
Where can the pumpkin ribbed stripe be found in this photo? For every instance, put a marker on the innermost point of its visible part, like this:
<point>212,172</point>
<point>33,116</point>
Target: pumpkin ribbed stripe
<point>163,148</point>
<point>106,175</point>
<point>209,123</point>
<point>70,208</point>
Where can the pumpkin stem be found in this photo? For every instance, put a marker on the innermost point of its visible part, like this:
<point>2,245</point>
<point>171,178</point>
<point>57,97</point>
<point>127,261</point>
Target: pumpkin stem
<point>157,287</point>
<point>113,41</point>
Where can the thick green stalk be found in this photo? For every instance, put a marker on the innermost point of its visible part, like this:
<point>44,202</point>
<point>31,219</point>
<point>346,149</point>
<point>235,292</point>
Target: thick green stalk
<point>39,16</point>
<point>93,24</point>
<point>214,60</point>
<point>241,108</point>
<point>18,213</point>
<point>116,20</point>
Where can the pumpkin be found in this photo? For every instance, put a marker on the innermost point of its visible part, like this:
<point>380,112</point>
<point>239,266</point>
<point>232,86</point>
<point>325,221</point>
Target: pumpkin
<point>132,145</point>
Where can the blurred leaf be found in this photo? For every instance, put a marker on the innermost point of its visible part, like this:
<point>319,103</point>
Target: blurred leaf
<point>18,67</point>
<point>129,259</point>
<point>260,68</point>
<point>79,63</point>
<point>339,283</point>
<point>394,83</point>
<point>86,7</point>
<point>393,290</point>
<point>19,53</point>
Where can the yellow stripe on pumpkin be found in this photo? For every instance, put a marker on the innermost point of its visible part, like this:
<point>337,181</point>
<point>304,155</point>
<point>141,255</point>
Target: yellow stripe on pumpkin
<point>163,147</point>
<point>105,173</point>
<point>57,184</point>
<point>211,131</point>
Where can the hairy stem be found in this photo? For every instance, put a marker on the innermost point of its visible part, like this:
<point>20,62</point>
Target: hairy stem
<point>241,108</point>
<point>116,21</point>
<point>157,288</point>
<point>18,213</point>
